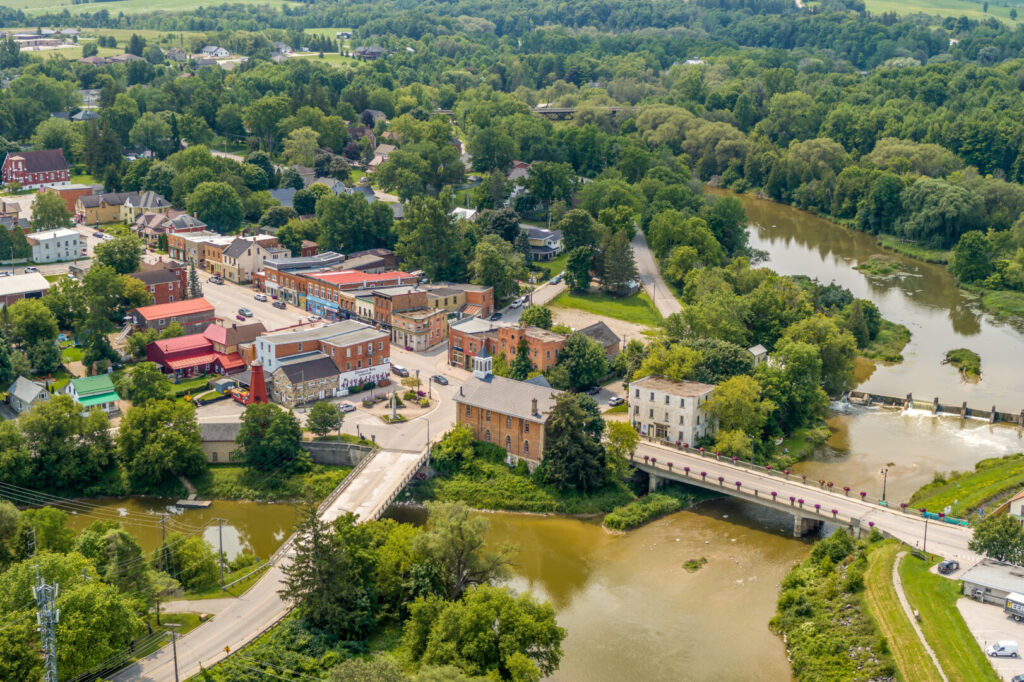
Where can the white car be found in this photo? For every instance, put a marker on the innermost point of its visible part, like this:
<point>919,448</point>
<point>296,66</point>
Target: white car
<point>346,407</point>
<point>516,303</point>
<point>262,298</point>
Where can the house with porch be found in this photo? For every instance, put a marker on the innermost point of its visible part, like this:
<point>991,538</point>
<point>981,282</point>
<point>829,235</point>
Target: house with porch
<point>94,393</point>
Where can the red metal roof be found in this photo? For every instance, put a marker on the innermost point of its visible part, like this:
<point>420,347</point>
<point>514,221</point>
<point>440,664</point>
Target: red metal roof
<point>346,277</point>
<point>231,361</point>
<point>192,361</point>
<point>216,333</point>
<point>180,344</point>
<point>190,306</point>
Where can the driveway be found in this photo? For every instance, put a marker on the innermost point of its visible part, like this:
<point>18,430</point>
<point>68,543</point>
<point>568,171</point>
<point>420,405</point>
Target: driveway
<point>989,624</point>
<point>650,276</point>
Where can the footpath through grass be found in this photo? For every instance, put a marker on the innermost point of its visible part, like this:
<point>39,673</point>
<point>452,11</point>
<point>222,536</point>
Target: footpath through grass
<point>883,604</point>
<point>935,599</point>
<point>965,492</point>
<point>637,309</point>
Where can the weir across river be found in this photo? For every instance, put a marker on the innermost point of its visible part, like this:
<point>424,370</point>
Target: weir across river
<point>936,407</point>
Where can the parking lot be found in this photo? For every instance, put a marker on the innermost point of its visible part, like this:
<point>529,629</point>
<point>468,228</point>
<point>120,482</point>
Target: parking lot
<point>989,624</point>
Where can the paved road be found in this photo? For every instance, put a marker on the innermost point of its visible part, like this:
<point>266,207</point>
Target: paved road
<point>238,623</point>
<point>650,277</point>
<point>943,539</point>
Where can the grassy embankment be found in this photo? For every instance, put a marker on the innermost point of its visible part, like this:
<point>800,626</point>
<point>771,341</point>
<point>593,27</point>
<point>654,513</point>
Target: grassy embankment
<point>914,250</point>
<point>967,361</point>
<point>1002,303</point>
<point>882,602</point>
<point>236,482</point>
<point>935,597</point>
<point>992,481</point>
<point>638,309</point>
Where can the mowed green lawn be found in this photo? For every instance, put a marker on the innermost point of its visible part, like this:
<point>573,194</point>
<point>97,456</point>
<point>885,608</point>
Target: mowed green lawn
<point>945,8</point>
<point>637,309</point>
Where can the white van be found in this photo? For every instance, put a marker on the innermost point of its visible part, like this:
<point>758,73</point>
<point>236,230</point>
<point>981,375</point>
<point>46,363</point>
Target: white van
<point>1003,648</point>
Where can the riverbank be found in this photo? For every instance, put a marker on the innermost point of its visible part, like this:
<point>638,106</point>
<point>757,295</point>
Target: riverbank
<point>961,494</point>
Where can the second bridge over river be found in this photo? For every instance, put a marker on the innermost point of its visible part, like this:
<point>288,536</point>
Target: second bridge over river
<point>810,504</point>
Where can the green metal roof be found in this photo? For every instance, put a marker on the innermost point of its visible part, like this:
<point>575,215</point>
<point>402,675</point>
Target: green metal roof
<point>98,399</point>
<point>100,383</point>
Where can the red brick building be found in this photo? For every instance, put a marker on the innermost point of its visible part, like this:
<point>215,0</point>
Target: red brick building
<point>165,281</point>
<point>467,337</point>
<point>70,194</point>
<point>36,169</point>
<point>194,315</point>
<point>215,350</point>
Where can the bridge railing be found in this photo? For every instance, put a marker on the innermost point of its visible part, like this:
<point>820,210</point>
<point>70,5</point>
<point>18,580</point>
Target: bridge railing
<point>820,484</point>
<point>405,481</point>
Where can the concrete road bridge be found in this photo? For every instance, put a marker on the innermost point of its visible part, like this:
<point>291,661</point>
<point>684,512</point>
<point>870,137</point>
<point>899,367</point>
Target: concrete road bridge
<point>366,491</point>
<point>810,503</point>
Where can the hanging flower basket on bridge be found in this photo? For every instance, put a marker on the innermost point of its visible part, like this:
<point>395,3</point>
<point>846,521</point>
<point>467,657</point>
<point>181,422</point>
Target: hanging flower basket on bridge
<point>647,459</point>
<point>735,459</point>
<point>721,480</point>
<point>903,506</point>
<point>678,443</point>
<point>703,475</point>
<point>767,467</point>
<point>821,482</point>
<point>803,478</point>
<point>669,466</point>
<point>871,524</point>
<point>702,451</point>
<point>829,484</point>
<point>792,500</point>
<point>738,484</point>
<point>846,490</point>
<point>835,513</point>
<point>801,503</point>
<point>817,508</point>
<point>863,495</point>
<point>654,461</point>
<point>787,474</point>
<point>774,494</point>
<point>686,471</point>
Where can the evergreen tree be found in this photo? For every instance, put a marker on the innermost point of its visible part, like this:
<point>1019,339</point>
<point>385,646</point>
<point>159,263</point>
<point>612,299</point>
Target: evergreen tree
<point>522,245</point>
<point>573,459</point>
<point>521,364</point>
<point>194,289</point>
<point>619,266</point>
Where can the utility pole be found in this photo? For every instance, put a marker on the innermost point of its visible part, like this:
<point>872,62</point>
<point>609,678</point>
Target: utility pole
<point>220,542</point>
<point>163,539</point>
<point>885,479</point>
<point>924,544</point>
<point>174,647</point>
<point>47,617</point>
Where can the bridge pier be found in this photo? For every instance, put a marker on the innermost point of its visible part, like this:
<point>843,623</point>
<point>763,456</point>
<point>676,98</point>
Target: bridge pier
<point>653,482</point>
<point>806,525</point>
<point>935,406</point>
<point>909,402</point>
<point>963,410</point>
<point>992,417</point>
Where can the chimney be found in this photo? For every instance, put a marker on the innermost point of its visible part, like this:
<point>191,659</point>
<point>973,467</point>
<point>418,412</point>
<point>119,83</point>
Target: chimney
<point>534,411</point>
<point>461,392</point>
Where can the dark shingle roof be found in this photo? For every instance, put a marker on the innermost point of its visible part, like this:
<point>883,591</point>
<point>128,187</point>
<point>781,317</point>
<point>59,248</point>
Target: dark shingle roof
<point>43,160</point>
<point>317,366</point>
<point>158,276</point>
<point>237,248</point>
<point>601,333</point>
<point>112,199</point>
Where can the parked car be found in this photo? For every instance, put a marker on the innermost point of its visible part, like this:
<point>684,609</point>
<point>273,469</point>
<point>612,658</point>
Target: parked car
<point>98,235</point>
<point>8,273</point>
<point>279,304</point>
<point>262,298</point>
<point>557,279</point>
<point>240,317</point>
<point>1017,678</point>
<point>315,318</point>
<point>346,407</point>
<point>495,316</point>
<point>31,269</point>
<point>516,303</point>
<point>438,379</point>
<point>615,400</point>
<point>1003,648</point>
<point>949,566</point>
<point>245,311</point>
<point>216,279</point>
<point>399,371</point>
<point>593,390</point>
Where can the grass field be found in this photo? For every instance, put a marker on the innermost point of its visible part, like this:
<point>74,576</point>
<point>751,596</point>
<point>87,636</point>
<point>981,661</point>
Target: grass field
<point>944,8</point>
<point>637,309</point>
<point>884,606</point>
<point>1003,303</point>
<point>935,598</point>
<point>991,479</point>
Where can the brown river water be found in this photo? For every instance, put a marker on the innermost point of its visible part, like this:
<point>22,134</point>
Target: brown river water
<point>632,612</point>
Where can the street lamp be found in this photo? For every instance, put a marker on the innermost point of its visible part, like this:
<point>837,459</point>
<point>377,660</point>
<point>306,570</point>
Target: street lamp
<point>885,479</point>
<point>174,647</point>
<point>924,543</point>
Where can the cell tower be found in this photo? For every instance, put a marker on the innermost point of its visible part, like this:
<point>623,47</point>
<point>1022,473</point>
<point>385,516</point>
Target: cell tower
<point>47,617</point>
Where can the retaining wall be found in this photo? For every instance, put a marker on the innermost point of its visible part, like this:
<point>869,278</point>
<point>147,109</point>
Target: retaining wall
<point>337,454</point>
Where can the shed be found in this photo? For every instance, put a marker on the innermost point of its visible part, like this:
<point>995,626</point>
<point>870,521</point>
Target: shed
<point>990,581</point>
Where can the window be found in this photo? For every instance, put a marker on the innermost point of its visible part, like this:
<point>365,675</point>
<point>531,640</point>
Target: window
<point>488,417</point>
<point>682,420</point>
<point>487,435</point>
<point>638,393</point>
<point>682,402</point>
<point>681,436</point>
<point>666,400</point>
<point>526,426</point>
<point>508,442</point>
<point>652,395</point>
<point>636,410</point>
<point>469,410</point>
<point>698,420</point>
<point>508,422</point>
<point>652,413</point>
<point>526,447</point>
